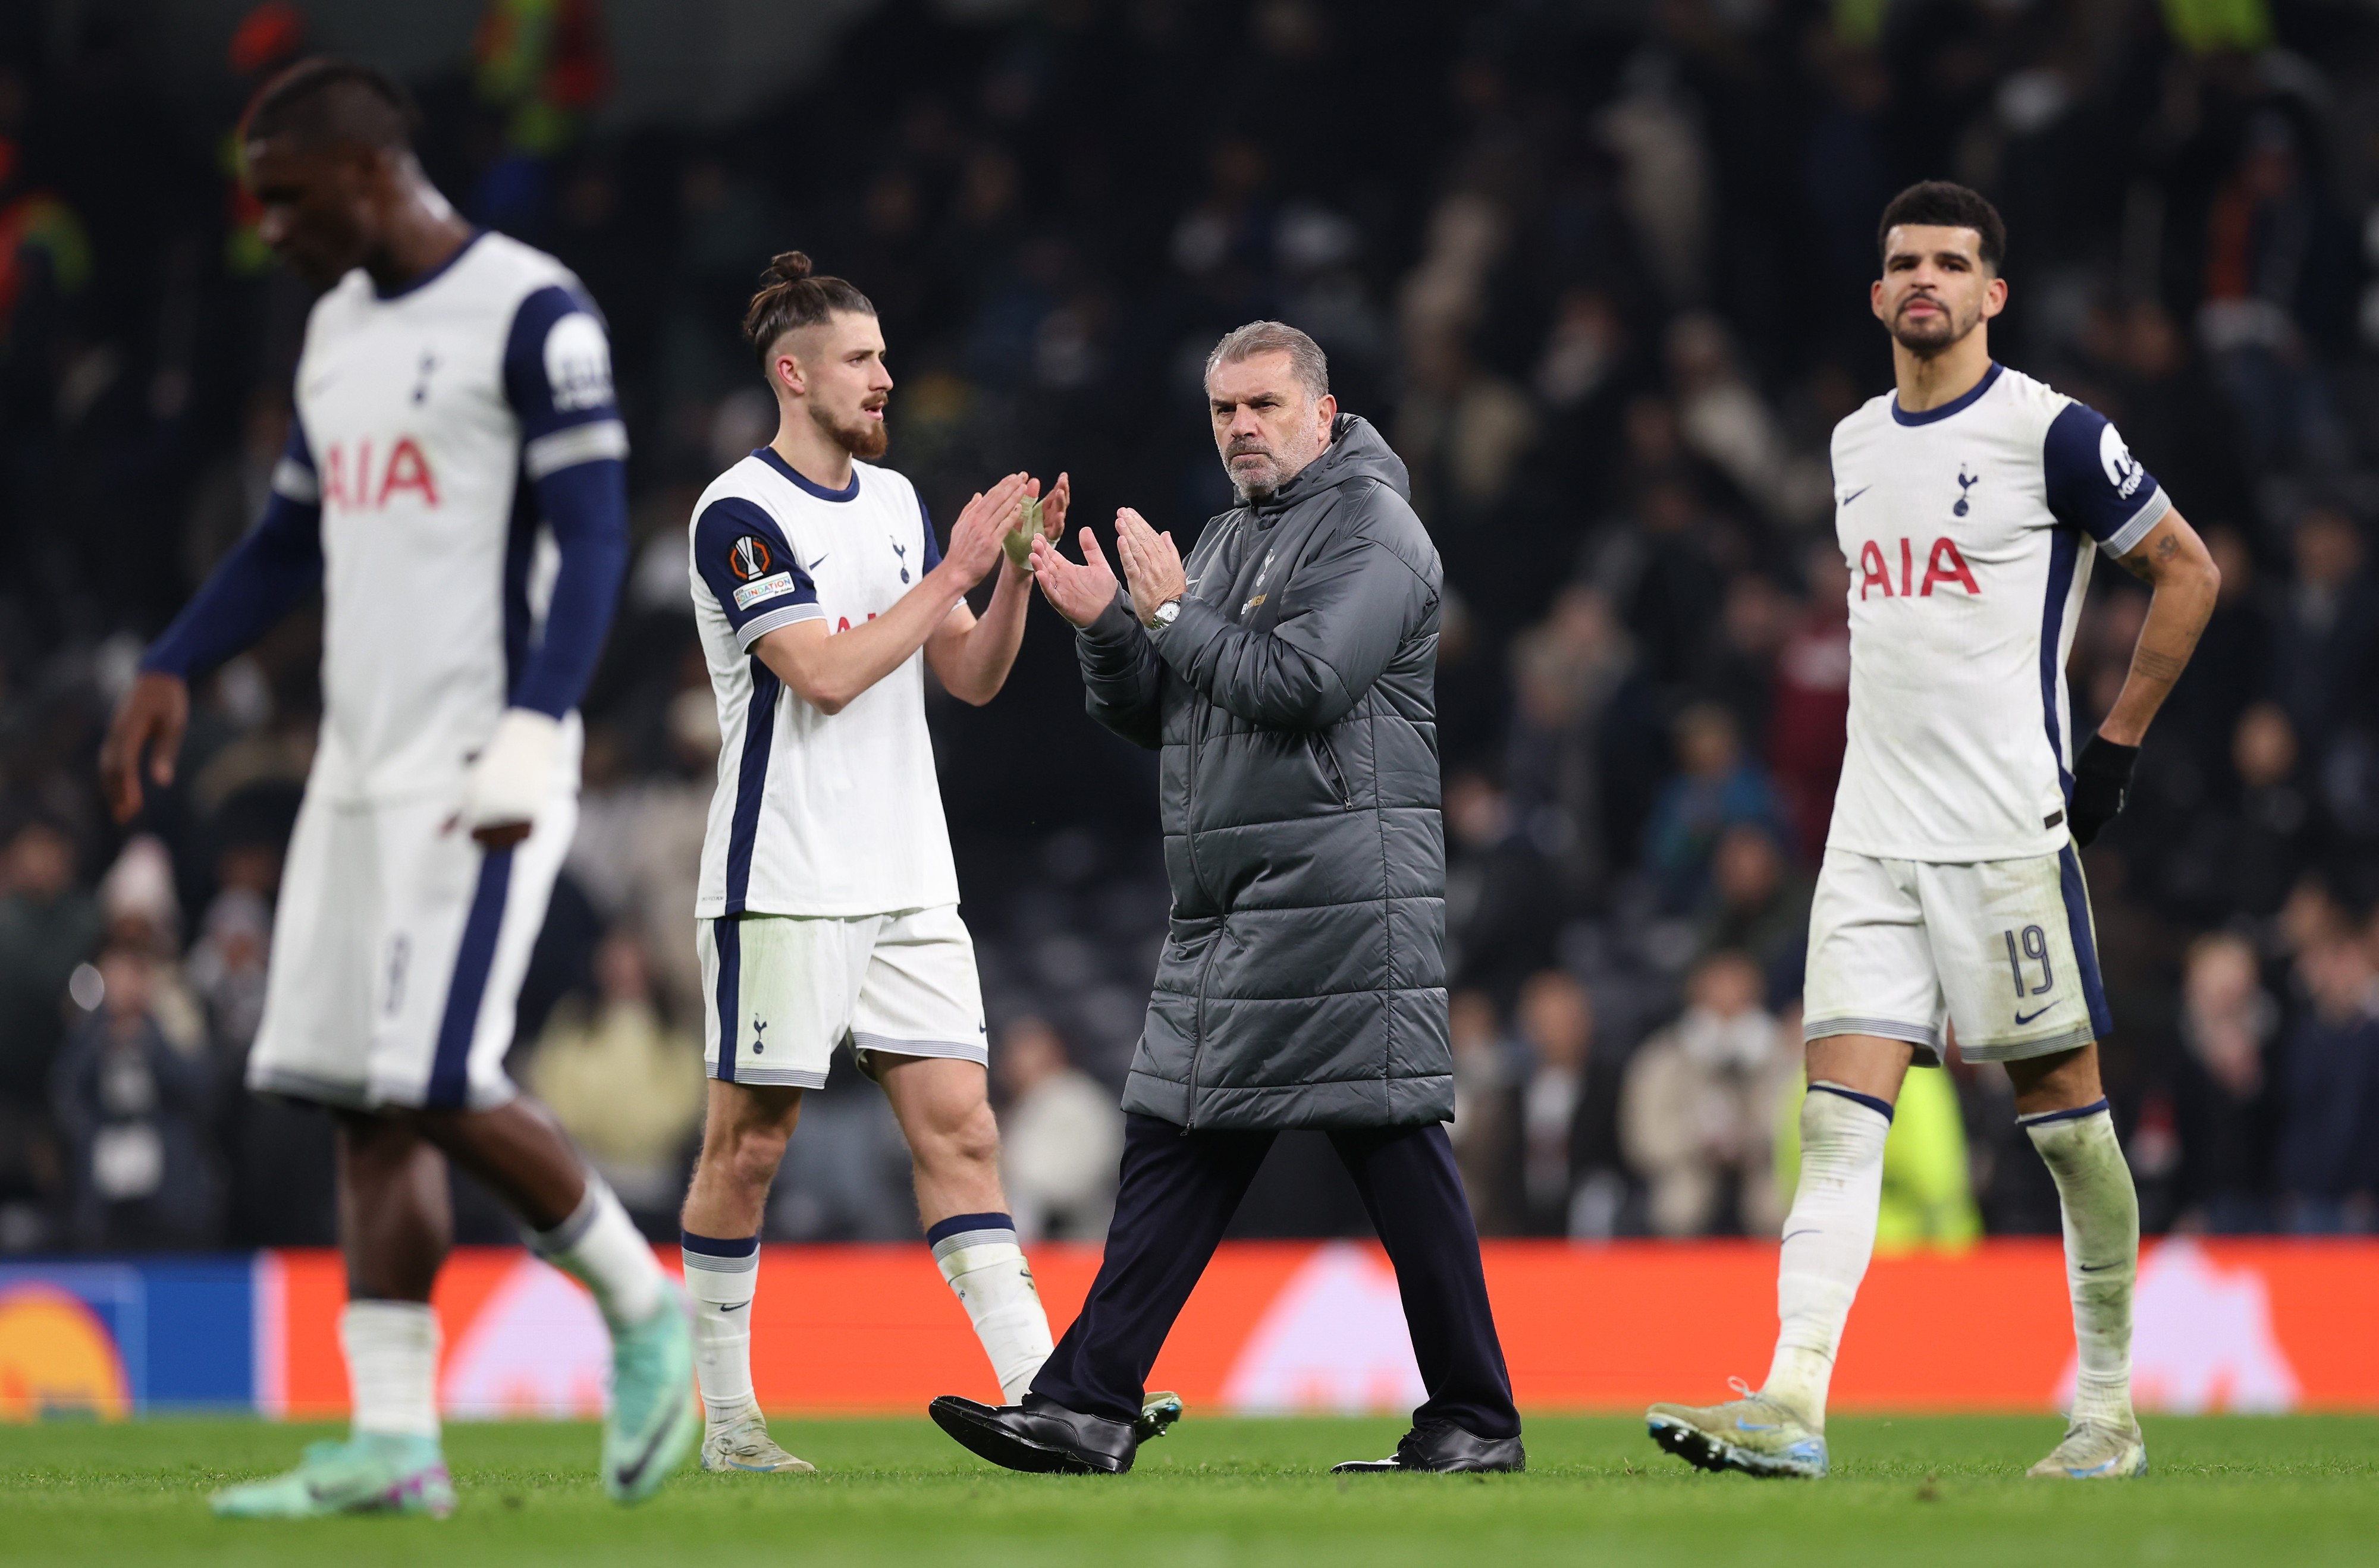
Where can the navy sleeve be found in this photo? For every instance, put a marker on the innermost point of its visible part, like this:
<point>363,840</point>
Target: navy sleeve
<point>263,578</point>
<point>740,557</point>
<point>933,556</point>
<point>2095,483</point>
<point>573,449</point>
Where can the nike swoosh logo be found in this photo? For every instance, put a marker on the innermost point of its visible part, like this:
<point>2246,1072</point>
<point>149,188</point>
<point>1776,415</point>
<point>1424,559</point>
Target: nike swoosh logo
<point>628,1473</point>
<point>2094,1269</point>
<point>1856,494</point>
<point>1791,1234</point>
<point>2021,1019</point>
<point>813,565</point>
<point>733,1305</point>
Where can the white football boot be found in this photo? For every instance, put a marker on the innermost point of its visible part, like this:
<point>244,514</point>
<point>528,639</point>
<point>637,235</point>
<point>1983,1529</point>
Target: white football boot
<point>2094,1451</point>
<point>1753,1433</point>
<point>741,1443</point>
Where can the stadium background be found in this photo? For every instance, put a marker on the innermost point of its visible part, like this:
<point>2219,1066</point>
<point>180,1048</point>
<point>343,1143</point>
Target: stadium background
<point>1597,267</point>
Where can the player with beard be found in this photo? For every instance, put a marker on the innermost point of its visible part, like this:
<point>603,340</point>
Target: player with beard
<point>1970,504</point>
<point>828,904</point>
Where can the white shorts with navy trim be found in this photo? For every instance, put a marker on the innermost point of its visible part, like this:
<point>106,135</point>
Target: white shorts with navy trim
<point>780,992</point>
<point>2002,948</point>
<point>398,951</point>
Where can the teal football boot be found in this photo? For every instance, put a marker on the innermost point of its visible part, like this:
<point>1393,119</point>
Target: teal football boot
<point>369,1473</point>
<point>655,1422</point>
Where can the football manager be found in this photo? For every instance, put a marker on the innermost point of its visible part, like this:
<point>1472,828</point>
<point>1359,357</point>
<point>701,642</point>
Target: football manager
<point>1286,674</point>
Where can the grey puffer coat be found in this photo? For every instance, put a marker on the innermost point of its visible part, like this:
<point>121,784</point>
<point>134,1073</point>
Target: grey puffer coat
<point>1303,979</point>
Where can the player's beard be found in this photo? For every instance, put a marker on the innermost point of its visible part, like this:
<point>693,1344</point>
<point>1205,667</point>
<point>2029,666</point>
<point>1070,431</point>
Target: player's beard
<point>1925,342</point>
<point>863,438</point>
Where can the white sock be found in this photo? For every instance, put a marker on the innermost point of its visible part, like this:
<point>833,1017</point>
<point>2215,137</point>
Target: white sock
<point>2102,1251</point>
<point>977,1253</point>
<point>721,1276</point>
<point>391,1367</point>
<point>1829,1237</point>
<point>600,1247</point>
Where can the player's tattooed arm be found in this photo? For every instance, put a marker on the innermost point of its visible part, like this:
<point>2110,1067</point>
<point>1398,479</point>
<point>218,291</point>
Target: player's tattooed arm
<point>2184,583</point>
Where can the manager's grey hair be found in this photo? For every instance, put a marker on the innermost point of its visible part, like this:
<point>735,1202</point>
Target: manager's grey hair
<point>1305,356</point>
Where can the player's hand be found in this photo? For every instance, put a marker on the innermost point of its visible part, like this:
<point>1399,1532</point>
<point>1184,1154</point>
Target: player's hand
<point>1081,592</point>
<point>2102,782</point>
<point>1049,512</point>
<point>511,779</point>
<point>976,536</point>
<point>151,718</point>
<point>1151,567</point>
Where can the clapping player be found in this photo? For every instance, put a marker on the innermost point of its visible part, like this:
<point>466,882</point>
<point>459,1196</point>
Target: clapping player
<point>829,903</point>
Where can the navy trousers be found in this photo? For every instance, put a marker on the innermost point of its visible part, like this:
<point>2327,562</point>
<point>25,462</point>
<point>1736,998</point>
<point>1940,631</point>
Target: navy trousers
<point>1177,1194</point>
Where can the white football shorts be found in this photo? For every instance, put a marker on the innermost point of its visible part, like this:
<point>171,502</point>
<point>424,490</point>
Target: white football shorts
<point>2004,949</point>
<point>780,992</point>
<point>398,951</point>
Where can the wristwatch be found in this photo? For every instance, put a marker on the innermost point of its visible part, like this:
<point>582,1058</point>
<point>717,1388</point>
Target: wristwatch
<point>1166,614</point>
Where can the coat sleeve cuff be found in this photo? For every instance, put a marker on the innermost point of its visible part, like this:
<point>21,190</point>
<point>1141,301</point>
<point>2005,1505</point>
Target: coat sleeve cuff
<point>1116,624</point>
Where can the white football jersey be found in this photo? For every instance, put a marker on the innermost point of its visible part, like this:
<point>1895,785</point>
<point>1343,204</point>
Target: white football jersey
<point>1969,531</point>
<point>815,815</point>
<point>419,415</point>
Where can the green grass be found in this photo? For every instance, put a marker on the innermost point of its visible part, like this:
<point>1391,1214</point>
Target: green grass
<point>1913,1494</point>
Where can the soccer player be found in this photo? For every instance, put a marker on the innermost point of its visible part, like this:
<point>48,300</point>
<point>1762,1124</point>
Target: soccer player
<point>1970,503</point>
<point>454,486</point>
<point>829,903</point>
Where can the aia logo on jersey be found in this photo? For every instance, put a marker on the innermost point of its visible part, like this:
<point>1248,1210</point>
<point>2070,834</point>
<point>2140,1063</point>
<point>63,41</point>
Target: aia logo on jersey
<point>354,480</point>
<point>1943,564</point>
<point>749,558</point>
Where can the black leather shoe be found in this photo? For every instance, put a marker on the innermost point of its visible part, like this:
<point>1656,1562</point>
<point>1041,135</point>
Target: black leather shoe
<point>1045,1439</point>
<point>1443,1447</point>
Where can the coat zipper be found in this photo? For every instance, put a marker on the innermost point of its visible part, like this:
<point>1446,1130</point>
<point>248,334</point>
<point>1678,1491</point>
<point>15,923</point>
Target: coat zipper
<point>1197,1045</point>
<point>1327,756</point>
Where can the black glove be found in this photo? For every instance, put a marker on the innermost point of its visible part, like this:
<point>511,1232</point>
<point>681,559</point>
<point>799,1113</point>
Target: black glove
<point>2102,781</point>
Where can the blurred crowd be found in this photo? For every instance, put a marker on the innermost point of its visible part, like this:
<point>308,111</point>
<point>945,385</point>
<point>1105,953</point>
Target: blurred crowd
<point>1598,269</point>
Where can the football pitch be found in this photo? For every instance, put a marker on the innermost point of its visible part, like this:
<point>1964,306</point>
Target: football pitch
<point>1914,1492</point>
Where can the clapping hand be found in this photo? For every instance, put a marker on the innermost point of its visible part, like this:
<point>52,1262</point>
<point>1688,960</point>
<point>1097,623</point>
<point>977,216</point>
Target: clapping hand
<point>1151,567</point>
<point>975,537</point>
<point>1079,591</point>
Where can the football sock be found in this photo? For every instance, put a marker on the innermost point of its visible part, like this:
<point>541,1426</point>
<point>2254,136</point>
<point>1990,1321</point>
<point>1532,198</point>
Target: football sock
<point>391,1367</point>
<point>722,1276</point>
<point>2102,1251</point>
<point>978,1254</point>
<point>599,1247</point>
<point>1829,1237</point>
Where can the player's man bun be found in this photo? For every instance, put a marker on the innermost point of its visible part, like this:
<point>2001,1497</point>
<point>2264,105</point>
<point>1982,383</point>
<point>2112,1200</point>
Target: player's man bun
<point>790,299</point>
<point>1944,204</point>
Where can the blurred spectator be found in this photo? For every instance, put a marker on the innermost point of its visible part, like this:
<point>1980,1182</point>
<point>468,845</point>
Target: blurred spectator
<point>1716,788</point>
<point>2322,645</point>
<point>226,970</point>
<point>1060,1137</point>
<point>1697,1112</point>
<point>1573,675</point>
<point>132,1115</point>
<point>1756,905</point>
<point>627,1087</point>
<point>47,927</point>
<point>2328,1158</point>
<point>1503,897</point>
<point>1486,1140</point>
<point>1569,1183</point>
<point>2225,1102</point>
<point>1809,709</point>
<point>2279,818</point>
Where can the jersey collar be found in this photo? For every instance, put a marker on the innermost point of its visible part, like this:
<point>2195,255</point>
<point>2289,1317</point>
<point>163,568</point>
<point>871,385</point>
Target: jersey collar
<point>1902,415</point>
<point>767,454</point>
<point>434,274</point>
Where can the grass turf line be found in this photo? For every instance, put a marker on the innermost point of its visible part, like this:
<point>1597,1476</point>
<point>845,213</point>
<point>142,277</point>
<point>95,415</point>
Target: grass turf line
<point>1935,1492</point>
